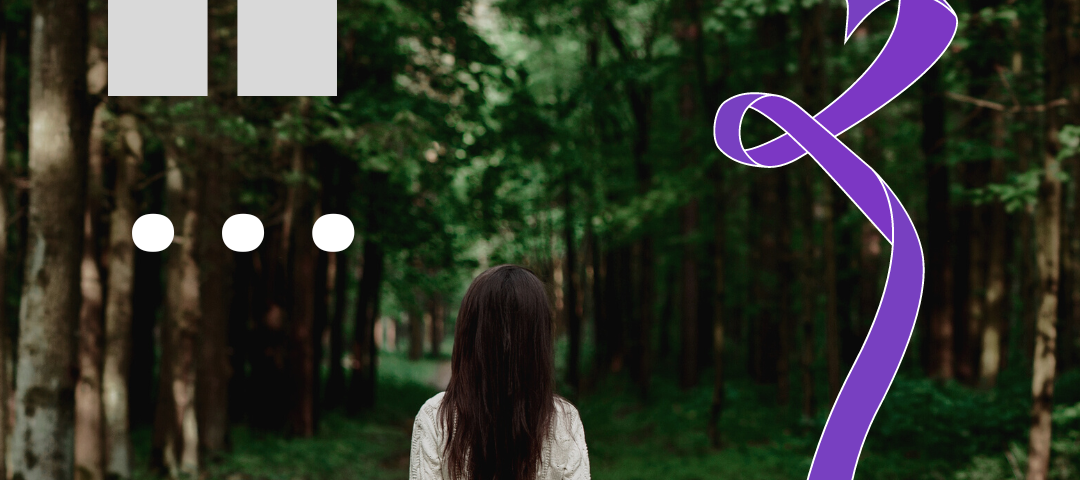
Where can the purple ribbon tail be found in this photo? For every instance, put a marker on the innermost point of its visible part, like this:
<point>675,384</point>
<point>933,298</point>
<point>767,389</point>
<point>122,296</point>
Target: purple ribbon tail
<point>923,30</point>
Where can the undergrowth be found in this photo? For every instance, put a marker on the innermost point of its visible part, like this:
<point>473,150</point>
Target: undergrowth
<point>923,431</point>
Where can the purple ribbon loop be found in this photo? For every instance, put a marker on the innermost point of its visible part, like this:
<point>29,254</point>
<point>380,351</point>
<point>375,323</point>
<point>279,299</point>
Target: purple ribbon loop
<point>923,30</point>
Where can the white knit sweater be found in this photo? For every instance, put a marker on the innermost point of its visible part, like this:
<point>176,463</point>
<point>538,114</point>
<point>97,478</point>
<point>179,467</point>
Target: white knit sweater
<point>564,457</point>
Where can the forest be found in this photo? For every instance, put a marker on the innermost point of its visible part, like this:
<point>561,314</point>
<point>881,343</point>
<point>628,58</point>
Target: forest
<point>707,312</point>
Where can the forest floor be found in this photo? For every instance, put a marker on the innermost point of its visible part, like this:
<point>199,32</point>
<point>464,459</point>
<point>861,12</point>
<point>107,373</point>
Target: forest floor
<point>661,439</point>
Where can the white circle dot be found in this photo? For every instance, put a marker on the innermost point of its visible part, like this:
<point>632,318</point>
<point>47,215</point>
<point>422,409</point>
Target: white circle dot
<point>242,232</point>
<point>152,232</point>
<point>333,232</point>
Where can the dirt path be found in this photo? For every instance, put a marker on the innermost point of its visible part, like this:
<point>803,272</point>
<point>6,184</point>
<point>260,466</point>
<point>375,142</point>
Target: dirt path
<point>441,378</point>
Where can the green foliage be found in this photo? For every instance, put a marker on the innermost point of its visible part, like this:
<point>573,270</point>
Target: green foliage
<point>1070,141</point>
<point>1019,192</point>
<point>923,431</point>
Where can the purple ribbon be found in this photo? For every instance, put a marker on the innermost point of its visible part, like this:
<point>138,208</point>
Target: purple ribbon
<point>923,30</point>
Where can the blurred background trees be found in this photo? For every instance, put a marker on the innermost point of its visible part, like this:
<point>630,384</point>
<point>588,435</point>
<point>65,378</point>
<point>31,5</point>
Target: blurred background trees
<point>707,312</point>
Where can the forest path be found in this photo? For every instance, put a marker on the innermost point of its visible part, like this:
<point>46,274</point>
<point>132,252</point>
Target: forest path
<point>441,377</point>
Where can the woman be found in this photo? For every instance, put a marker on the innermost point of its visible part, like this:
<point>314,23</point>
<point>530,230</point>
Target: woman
<point>499,418</point>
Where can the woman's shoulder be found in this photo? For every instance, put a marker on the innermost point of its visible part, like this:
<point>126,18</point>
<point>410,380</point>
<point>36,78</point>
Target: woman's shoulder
<point>567,418</point>
<point>435,400</point>
<point>569,453</point>
<point>431,406</point>
<point>562,405</point>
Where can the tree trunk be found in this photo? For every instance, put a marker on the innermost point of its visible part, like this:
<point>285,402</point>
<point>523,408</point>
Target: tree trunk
<point>600,307</point>
<point>6,358</point>
<point>938,337</point>
<point>869,263</point>
<point>177,423</point>
<point>43,440</point>
<point>758,242</point>
<point>1070,349</point>
<point>147,303</point>
<point>1029,285</point>
<point>832,320</point>
<point>807,301</point>
<point>271,296</point>
<point>118,305</point>
<point>362,382</point>
<point>993,330</point>
<point>784,311</point>
<point>716,408</point>
<point>1048,242</point>
<point>302,259</point>
<point>639,318</point>
<point>870,286</point>
<point>705,303</point>
<point>846,263</point>
<point>216,289</point>
<point>977,230</point>
<point>613,337</point>
<point>769,352</point>
<point>323,280</point>
<point>812,80</point>
<point>573,321</point>
<point>688,374</point>
<point>646,295</point>
<point>687,33</point>
<point>438,321</point>
<point>963,367</point>
<point>1048,221</point>
<point>416,329</point>
<point>335,383</point>
<point>977,271</point>
<point>89,458</point>
<point>321,320</point>
<point>301,320</point>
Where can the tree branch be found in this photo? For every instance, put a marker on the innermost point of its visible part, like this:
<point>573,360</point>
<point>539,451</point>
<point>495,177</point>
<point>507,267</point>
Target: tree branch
<point>1061,102</point>
<point>616,38</point>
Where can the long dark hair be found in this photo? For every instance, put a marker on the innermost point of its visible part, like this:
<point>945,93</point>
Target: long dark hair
<point>500,403</point>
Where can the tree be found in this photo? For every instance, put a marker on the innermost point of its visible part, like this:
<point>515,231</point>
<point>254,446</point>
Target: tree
<point>716,407</point>
<point>362,381</point>
<point>45,390</point>
<point>303,256</point>
<point>992,353</point>
<point>812,82</point>
<point>938,340</point>
<point>573,320</point>
<point>335,383</point>
<point>176,427</point>
<point>436,329</point>
<point>688,32</point>
<point>89,455</point>
<point>216,283</point>
<point>1062,50</point>
<point>5,343</point>
<point>118,303</point>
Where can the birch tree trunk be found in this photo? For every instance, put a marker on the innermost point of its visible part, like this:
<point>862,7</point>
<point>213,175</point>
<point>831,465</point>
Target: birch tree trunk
<point>43,441</point>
